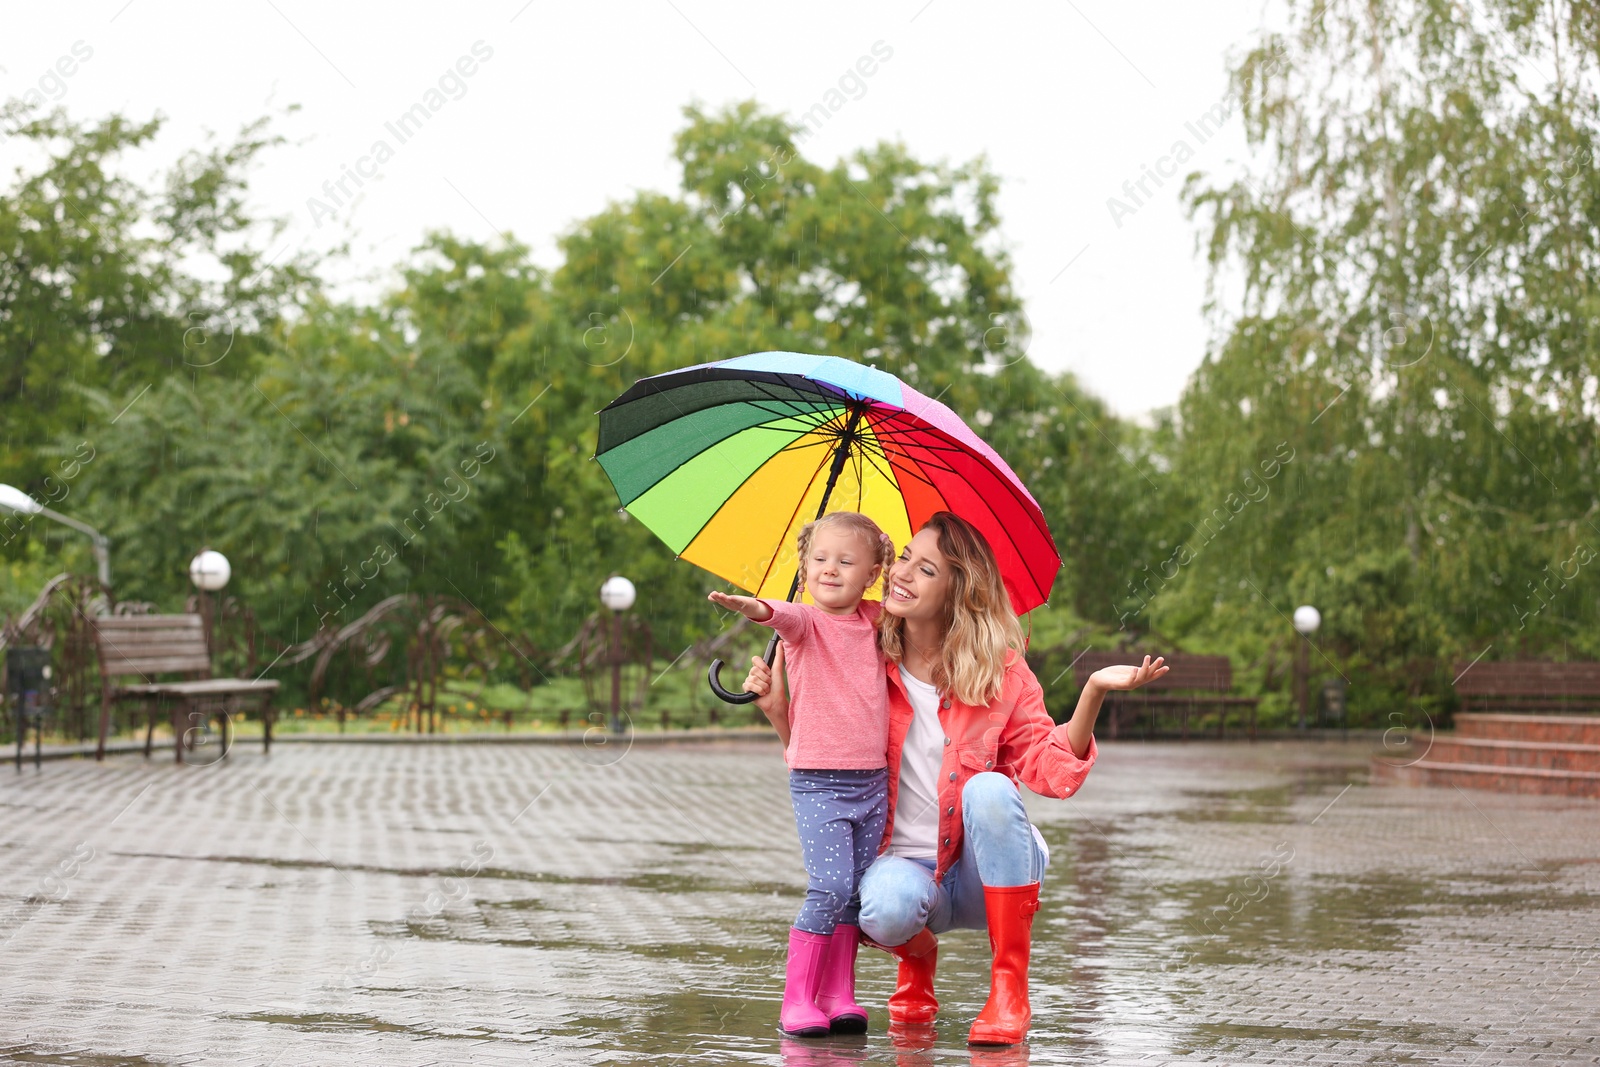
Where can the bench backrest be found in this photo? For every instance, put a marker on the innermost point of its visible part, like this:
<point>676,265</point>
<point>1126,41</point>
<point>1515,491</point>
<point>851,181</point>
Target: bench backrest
<point>1528,678</point>
<point>1212,673</point>
<point>148,645</point>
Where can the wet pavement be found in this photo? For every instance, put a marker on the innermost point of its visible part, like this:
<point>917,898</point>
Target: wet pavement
<point>417,904</point>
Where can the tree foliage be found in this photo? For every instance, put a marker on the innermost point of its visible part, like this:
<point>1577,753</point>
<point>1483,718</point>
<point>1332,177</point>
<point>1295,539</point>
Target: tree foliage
<point>1402,286</point>
<point>108,285</point>
<point>1395,421</point>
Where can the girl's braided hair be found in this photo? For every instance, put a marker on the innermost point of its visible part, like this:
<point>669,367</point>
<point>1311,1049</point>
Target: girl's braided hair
<point>879,547</point>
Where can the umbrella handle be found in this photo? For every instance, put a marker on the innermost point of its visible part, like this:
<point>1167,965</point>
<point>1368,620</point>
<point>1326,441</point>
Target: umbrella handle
<point>713,675</point>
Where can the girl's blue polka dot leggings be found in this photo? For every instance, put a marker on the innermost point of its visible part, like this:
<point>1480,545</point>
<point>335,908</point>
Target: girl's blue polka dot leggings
<point>840,815</point>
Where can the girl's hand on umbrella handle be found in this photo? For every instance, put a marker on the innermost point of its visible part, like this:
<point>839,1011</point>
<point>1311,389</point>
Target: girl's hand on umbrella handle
<point>1129,677</point>
<point>759,680</point>
<point>748,606</point>
<point>772,699</point>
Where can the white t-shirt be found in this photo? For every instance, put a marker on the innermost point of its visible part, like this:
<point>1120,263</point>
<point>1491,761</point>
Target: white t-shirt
<point>916,808</point>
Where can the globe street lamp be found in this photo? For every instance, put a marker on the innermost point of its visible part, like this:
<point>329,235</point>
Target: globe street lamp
<point>1306,620</point>
<point>617,594</point>
<point>14,499</point>
<point>209,571</point>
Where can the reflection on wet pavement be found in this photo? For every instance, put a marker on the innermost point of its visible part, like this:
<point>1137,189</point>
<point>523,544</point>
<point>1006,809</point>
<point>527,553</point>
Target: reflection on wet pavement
<point>1204,904</point>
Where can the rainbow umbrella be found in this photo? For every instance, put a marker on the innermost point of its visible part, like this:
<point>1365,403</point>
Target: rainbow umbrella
<point>725,462</point>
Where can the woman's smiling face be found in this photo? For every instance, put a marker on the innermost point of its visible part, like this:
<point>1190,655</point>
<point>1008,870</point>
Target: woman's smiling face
<point>919,581</point>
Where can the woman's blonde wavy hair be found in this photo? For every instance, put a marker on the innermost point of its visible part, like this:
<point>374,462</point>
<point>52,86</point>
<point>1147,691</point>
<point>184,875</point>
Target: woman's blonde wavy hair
<point>880,549</point>
<point>979,624</point>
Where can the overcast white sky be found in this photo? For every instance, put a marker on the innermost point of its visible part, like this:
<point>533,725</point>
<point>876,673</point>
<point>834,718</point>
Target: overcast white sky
<point>577,106</point>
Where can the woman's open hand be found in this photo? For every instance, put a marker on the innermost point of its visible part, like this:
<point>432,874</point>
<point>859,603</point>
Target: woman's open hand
<point>1127,676</point>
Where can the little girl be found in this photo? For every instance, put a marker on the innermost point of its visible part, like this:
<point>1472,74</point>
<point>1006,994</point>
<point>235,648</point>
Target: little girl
<point>837,734</point>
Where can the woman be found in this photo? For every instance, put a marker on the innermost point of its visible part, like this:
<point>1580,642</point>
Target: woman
<point>966,724</point>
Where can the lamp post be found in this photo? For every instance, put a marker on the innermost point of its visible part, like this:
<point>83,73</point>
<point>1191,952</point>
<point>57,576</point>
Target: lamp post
<point>14,499</point>
<point>209,571</point>
<point>617,594</point>
<point>1306,620</point>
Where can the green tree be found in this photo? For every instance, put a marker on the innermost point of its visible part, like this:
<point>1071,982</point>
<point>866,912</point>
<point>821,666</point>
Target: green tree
<point>1409,265</point>
<point>347,470</point>
<point>109,285</point>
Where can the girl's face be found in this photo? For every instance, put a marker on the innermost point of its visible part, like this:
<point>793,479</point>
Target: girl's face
<point>839,569</point>
<point>919,581</point>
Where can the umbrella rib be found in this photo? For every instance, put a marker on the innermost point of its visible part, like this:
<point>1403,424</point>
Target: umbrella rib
<point>763,387</point>
<point>1024,500</point>
<point>811,438</point>
<point>935,445</point>
<point>861,489</point>
<point>711,446</point>
<point>715,446</point>
<point>799,410</point>
<point>891,474</point>
<point>872,455</point>
<point>1004,528</point>
<point>939,438</point>
<point>689,377</point>
<point>897,469</point>
<point>734,491</point>
<point>931,464</point>
<point>1022,556</point>
<point>801,499</point>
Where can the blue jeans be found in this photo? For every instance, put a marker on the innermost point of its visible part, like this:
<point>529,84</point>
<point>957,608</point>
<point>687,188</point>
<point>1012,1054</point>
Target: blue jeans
<point>899,895</point>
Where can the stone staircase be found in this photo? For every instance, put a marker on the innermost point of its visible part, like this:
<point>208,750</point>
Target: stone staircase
<point>1557,754</point>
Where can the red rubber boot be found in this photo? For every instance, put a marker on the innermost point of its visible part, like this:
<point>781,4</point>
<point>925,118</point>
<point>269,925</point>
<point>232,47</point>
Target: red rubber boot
<point>799,1016</point>
<point>912,1000</point>
<point>836,995</point>
<point>1004,1019</point>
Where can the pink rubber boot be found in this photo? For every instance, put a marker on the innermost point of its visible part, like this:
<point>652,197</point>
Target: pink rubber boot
<point>836,995</point>
<point>800,1016</point>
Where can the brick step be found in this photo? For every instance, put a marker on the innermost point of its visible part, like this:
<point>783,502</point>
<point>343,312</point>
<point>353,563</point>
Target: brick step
<point>1557,729</point>
<point>1450,748</point>
<point>1490,776</point>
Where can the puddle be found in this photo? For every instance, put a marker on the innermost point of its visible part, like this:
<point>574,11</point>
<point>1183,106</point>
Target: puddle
<point>660,882</point>
<point>329,1023</point>
<point>1324,916</point>
<point>35,1054</point>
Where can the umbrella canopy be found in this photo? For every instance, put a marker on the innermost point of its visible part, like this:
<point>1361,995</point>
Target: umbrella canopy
<point>726,461</point>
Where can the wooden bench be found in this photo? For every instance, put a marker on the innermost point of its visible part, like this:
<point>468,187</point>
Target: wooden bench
<point>1528,685</point>
<point>143,647</point>
<point>1191,683</point>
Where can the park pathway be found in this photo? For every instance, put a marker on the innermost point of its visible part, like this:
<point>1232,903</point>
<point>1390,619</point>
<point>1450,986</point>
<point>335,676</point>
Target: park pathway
<point>453,904</point>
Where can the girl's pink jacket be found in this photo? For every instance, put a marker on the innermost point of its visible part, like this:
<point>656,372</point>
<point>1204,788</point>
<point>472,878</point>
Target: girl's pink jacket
<point>1013,735</point>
